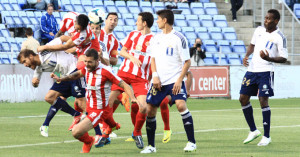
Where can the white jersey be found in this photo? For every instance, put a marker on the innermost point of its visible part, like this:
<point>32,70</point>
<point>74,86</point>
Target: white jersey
<point>274,43</point>
<point>58,61</point>
<point>170,51</point>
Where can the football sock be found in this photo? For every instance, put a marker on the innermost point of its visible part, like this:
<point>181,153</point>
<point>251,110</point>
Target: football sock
<point>188,125</point>
<point>164,109</point>
<point>77,108</point>
<point>248,113</point>
<point>120,98</point>
<point>150,128</point>
<point>266,113</point>
<point>86,138</point>
<point>51,113</point>
<point>66,107</point>
<point>140,120</point>
<point>97,130</point>
<point>133,113</point>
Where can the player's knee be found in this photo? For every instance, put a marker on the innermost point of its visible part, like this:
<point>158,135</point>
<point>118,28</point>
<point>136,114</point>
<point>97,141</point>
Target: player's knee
<point>143,108</point>
<point>76,134</point>
<point>49,99</point>
<point>181,107</point>
<point>244,101</point>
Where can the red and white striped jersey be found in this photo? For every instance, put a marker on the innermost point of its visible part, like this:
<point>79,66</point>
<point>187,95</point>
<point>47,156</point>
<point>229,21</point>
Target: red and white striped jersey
<point>68,23</point>
<point>110,41</point>
<point>85,40</point>
<point>137,45</point>
<point>99,86</point>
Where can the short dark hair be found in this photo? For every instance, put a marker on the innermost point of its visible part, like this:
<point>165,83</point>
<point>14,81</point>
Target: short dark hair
<point>168,14</point>
<point>148,17</point>
<point>112,13</point>
<point>83,21</point>
<point>276,14</point>
<point>29,31</point>
<point>25,53</point>
<point>92,53</point>
<point>49,5</point>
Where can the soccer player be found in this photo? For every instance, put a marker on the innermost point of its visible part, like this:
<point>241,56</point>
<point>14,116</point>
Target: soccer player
<point>67,24</point>
<point>268,46</point>
<point>61,62</point>
<point>99,79</point>
<point>135,70</point>
<point>169,49</point>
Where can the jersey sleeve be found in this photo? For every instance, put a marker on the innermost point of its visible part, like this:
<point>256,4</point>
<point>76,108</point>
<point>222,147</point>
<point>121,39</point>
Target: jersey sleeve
<point>63,26</point>
<point>111,77</point>
<point>282,48</point>
<point>78,38</point>
<point>128,40</point>
<point>38,72</point>
<point>253,40</point>
<point>183,49</point>
<point>83,70</point>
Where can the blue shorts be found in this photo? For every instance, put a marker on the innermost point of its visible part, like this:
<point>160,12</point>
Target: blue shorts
<point>155,96</point>
<point>261,82</point>
<point>73,88</point>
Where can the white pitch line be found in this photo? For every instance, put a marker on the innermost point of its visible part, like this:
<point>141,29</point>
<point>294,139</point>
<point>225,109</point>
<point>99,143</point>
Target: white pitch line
<point>123,137</point>
<point>275,108</point>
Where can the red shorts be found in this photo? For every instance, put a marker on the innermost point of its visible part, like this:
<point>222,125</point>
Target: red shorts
<point>140,86</point>
<point>97,116</point>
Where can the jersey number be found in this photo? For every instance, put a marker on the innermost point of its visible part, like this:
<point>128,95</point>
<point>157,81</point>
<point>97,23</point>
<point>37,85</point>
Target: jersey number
<point>246,82</point>
<point>153,91</point>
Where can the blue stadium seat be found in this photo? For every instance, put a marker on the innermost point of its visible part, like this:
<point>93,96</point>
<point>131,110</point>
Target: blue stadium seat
<point>234,59</point>
<point>22,3</point>
<point>120,35</point>
<point>180,23</point>
<point>197,8</point>
<point>118,29</point>
<point>5,44</point>
<point>210,46</point>
<point>121,22</point>
<point>204,1</point>
<point>189,32</point>
<point>38,15</point>
<point>215,33</point>
<point>210,8</point>
<point>109,3</point>
<point>186,11</point>
<point>297,10</point>
<point>191,17</point>
<point>146,7</point>
<point>123,10</point>
<point>13,44</point>
<point>193,22</point>
<point>120,4</point>
<point>97,4</point>
<point>7,7</point>
<point>111,8</point>
<point>206,21</point>
<point>210,59</point>
<point>64,2</point>
<point>154,29</point>
<point>220,20</point>
<point>221,59</point>
<point>179,17</point>
<point>5,59</point>
<point>129,22</point>
<point>79,8</point>
<point>158,6</point>
<point>183,5</point>
<point>56,14</point>
<point>128,29</point>
<point>5,33</point>
<point>229,33</point>
<point>238,46</point>
<point>16,7</point>
<point>132,4</point>
<point>69,7</point>
<point>32,18</point>
<point>177,28</point>
<point>24,18</point>
<point>88,5</point>
<point>17,19</point>
<point>133,7</point>
<point>7,18</point>
<point>202,33</point>
<point>1,7</point>
<point>224,46</point>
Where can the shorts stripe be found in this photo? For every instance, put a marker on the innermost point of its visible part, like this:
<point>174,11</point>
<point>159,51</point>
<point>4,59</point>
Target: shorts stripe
<point>97,118</point>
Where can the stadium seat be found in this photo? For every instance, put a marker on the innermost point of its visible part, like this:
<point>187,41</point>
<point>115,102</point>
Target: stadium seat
<point>1,7</point>
<point>88,5</point>
<point>120,35</point>
<point>215,33</point>
<point>79,8</point>
<point>197,8</point>
<point>97,4</point>
<point>209,46</point>
<point>297,10</point>
<point>22,3</point>
<point>5,59</point>
<point>128,29</point>
<point>111,8</point>
<point>118,29</point>
<point>209,60</point>
<point>133,7</point>
<point>158,6</point>
<point>229,33</point>
<point>221,59</point>
<point>206,21</point>
<point>8,19</point>
<point>109,3</point>
<point>13,44</point>
<point>153,29</point>
<point>121,6</point>
<point>5,33</point>
<point>17,19</point>
<point>224,46</point>
<point>204,1</point>
<point>69,7</point>
<point>24,18</point>
<point>15,7</point>
<point>32,18</point>
<point>121,22</point>
<point>64,2</point>
<point>38,15</point>
<point>193,21</point>
<point>62,14</point>
<point>177,28</point>
<point>234,59</point>
<point>146,7</point>
<point>238,46</point>
<point>210,8</point>
<point>202,33</point>
<point>220,20</point>
<point>186,11</point>
<point>5,44</point>
<point>189,32</point>
<point>7,7</point>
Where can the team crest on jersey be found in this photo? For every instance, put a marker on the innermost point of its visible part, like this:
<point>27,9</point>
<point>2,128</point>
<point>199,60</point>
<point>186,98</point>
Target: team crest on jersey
<point>81,38</point>
<point>103,46</point>
<point>93,114</point>
<point>147,43</point>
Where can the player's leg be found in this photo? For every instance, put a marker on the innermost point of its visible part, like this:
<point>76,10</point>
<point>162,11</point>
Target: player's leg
<point>125,101</point>
<point>80,132</point>
<point>164,109</point>
<point>249,87</point>
<point>140,120</point>
<point>151,128</point>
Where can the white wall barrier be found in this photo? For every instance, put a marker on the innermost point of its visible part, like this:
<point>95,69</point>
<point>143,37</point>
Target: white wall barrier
<point>16,86</point>
<point>286,81</point>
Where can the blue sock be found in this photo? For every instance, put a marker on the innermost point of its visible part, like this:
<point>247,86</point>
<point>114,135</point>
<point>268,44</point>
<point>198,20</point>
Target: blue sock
<point>266,112</point>
<point>51,113</point>
<point>150,128</point>
<point>248,113</point>
<point>97,130</point>
<point>188,124</point>
<point>60,103</point>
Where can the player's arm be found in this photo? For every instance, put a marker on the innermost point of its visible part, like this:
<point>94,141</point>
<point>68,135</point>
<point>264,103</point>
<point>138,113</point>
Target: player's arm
<point>188,82</point>
<point>37,74</point>
<point>59,33</point>
<point>74,76</point>
<point>155,78</point>
<point>250,50</point>
<point>60,47</point>
<point>124,53</point>
<point>128,90</point>
<point>103,57</point>
<point>113,60</point>
<point>266,57</point>
<point>282,51</point>
<point>178,83</point>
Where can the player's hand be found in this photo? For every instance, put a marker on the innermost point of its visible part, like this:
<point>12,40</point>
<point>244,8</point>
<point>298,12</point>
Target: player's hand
<point>41,48</point>
<point>51,34</point>
<point>245,61</point>
<point>177,87</point>
<point>35,82</point>
<point>55,77</point>
<point>264,55</point>
<point>135,61</point>
<point>156,83</point>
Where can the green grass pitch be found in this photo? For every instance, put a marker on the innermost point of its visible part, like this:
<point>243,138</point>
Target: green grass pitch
<point>219,124</point>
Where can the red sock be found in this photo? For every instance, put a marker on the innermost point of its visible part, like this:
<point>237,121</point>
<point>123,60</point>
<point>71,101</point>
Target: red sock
<point>134,111</point>
<point>77,108</point>
<point>115,107</point>
<point>86,138</point>
<point>140,120</point>
<point>164,109</point>
<point>111,111</point>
